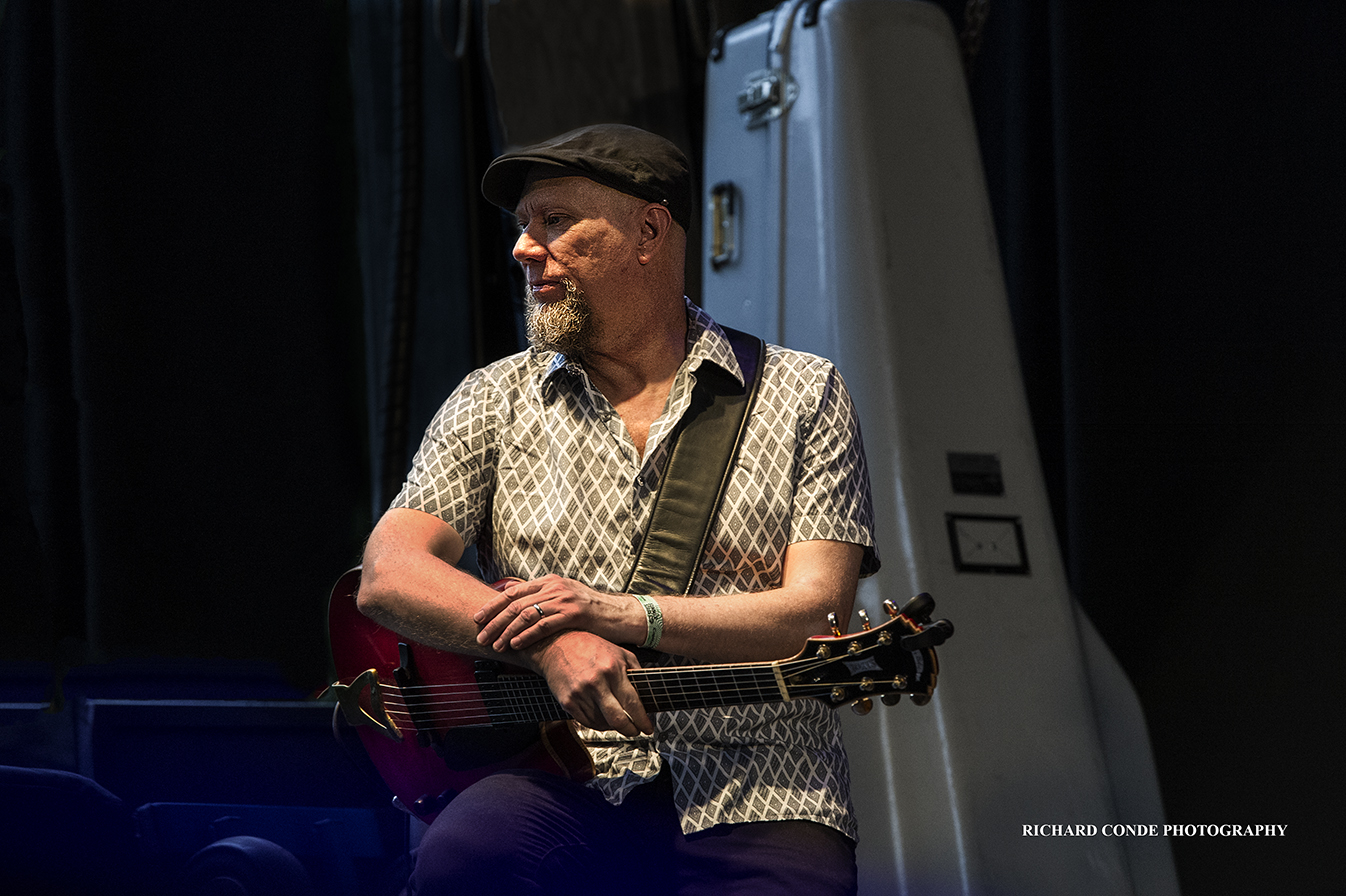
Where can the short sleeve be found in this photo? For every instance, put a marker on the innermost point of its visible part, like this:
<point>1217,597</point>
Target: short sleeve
<point>452,472</point>
<point>832,497</point>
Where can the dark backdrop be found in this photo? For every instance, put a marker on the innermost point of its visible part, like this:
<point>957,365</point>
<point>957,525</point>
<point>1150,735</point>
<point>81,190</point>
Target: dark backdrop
<point>183,384</point>
<point>205,211</point>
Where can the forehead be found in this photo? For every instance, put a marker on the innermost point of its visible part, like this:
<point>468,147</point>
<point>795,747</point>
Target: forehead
<point>574,192</point>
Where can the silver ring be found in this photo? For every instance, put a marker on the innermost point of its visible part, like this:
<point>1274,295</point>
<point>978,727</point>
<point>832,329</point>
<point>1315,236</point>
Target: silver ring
<point>540,614</point>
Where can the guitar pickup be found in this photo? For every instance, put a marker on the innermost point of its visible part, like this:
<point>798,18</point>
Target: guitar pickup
<point>405,676</point>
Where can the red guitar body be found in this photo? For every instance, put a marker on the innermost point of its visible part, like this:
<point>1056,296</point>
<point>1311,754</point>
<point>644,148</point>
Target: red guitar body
<point>421,777</point>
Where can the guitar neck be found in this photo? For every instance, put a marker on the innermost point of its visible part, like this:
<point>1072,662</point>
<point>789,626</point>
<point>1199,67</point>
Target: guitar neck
<point>701,687</point>
<point>525,698</point>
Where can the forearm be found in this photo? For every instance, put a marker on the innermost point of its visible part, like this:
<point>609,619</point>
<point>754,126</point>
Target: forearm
<point>819,578</point>
<point>410,584</point>
<point>738,628</point>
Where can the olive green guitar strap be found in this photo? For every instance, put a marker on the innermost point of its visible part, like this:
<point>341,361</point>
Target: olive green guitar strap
<point>698,470</point>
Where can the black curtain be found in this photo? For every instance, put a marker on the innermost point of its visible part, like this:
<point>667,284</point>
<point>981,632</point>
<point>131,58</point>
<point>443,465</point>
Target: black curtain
<point>182,387</point>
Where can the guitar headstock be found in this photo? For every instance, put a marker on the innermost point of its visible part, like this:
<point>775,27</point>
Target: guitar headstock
<point>887,661</point>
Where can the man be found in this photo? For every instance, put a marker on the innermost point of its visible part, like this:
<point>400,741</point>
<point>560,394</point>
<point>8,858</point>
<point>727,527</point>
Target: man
<point>549,462</point>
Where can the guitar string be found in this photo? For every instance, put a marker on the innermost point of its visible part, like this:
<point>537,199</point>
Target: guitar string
<point>509,707</point>
<point>748,685</point>
<point>664,680</point>
<point>469,700</point>
<point>755,682</point>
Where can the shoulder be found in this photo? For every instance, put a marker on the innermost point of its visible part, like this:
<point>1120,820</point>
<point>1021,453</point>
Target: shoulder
<point>513,371</point>
<point>793,361</point>
<point>505,380</point>
<point>786,373</point>
<point>491,393</point>
<point>800,372</point>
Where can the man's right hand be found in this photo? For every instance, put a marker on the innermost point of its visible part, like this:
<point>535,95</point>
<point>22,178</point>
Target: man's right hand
<point>588,676</point>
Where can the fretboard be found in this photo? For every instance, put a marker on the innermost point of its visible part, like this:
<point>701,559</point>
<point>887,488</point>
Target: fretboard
<point>526,698</point>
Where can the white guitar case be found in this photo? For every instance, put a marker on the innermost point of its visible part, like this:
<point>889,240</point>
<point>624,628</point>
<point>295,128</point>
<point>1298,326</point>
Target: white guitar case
<point>847,215</point>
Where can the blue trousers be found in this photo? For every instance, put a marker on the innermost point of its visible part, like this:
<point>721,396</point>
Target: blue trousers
<point>530,832</point>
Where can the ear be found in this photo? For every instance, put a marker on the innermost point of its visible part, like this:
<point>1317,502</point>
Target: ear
<point>655,225</point>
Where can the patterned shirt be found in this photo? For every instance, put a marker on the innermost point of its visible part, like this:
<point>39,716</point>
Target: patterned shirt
<point>530,462</point>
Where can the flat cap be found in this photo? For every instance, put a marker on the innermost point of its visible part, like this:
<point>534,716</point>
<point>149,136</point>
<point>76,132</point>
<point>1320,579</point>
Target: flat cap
<point>619,156</point>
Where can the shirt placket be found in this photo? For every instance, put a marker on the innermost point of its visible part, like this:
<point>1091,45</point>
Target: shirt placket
<point>640,475</point>
<point>624,472</point>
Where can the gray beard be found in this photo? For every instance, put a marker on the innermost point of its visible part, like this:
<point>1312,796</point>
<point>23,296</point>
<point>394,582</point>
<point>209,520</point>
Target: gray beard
<point>566,326</point>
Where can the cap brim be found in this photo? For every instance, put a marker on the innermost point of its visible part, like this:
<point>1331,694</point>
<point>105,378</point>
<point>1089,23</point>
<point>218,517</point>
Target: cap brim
<point>504,181</point>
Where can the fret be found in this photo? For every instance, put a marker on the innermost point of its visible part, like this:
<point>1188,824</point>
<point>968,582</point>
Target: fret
<point>520,698</point>
<point>694,687</point>
<point>511,699</point>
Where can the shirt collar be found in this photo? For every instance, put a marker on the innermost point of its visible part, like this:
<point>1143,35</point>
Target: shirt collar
<point>707,342</point>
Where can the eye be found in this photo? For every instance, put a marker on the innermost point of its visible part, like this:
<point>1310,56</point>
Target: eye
<point>553,219</point>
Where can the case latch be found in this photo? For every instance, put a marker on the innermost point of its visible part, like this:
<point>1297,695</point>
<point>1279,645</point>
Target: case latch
<point>767,96</point>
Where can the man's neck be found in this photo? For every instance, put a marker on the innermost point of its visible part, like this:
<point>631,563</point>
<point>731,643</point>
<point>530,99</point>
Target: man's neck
<point>632,354</point>
<point>636,371</point>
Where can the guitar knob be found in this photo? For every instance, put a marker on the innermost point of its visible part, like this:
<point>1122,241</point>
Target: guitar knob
<point>919,607</point>
<point>864,619</point>
<point>862,706</point>
<point>426,803</point>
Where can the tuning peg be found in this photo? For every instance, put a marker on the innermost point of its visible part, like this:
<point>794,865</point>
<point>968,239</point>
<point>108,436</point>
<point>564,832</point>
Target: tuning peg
<point>919,607</point>
<point>832,621</point>
<point>891,609</point>
<point>891,699</point>
<point>864,619</point>
<point>862,706</point>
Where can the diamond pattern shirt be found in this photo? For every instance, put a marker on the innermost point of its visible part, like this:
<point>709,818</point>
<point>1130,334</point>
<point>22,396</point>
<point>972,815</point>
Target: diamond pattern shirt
<point>530,462</point>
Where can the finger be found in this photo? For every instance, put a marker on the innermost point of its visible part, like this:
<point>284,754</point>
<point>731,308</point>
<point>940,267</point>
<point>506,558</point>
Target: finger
<point>493,632</point>
<point>530,622</point>
<point>636,715</point>
<point>629,719</point>
<point>537,621</point>
<point>491,609</point>
<point>518,588</point>
<point>508,590</point>
<point>515,594</point>
<point>495,627</point>
<point>632,718</point>
<point>622,723</point>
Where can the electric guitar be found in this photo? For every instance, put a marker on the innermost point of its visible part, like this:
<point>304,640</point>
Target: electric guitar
<point>435,722</point>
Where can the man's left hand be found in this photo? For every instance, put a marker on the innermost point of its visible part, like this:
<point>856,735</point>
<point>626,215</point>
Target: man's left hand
<point>526,612</point>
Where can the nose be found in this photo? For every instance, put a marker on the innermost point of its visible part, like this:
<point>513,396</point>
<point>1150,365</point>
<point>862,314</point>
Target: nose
<point>527,249</point>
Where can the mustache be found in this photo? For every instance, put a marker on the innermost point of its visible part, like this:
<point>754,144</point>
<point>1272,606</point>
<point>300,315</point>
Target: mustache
<point>571,287</point>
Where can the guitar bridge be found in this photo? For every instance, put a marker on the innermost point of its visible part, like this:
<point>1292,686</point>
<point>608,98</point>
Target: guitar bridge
<point>351,699</point>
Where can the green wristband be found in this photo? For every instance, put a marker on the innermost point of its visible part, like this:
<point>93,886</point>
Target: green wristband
<point>654,620</point>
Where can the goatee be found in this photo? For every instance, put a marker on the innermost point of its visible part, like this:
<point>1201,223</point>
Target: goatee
<point>564,326</point>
